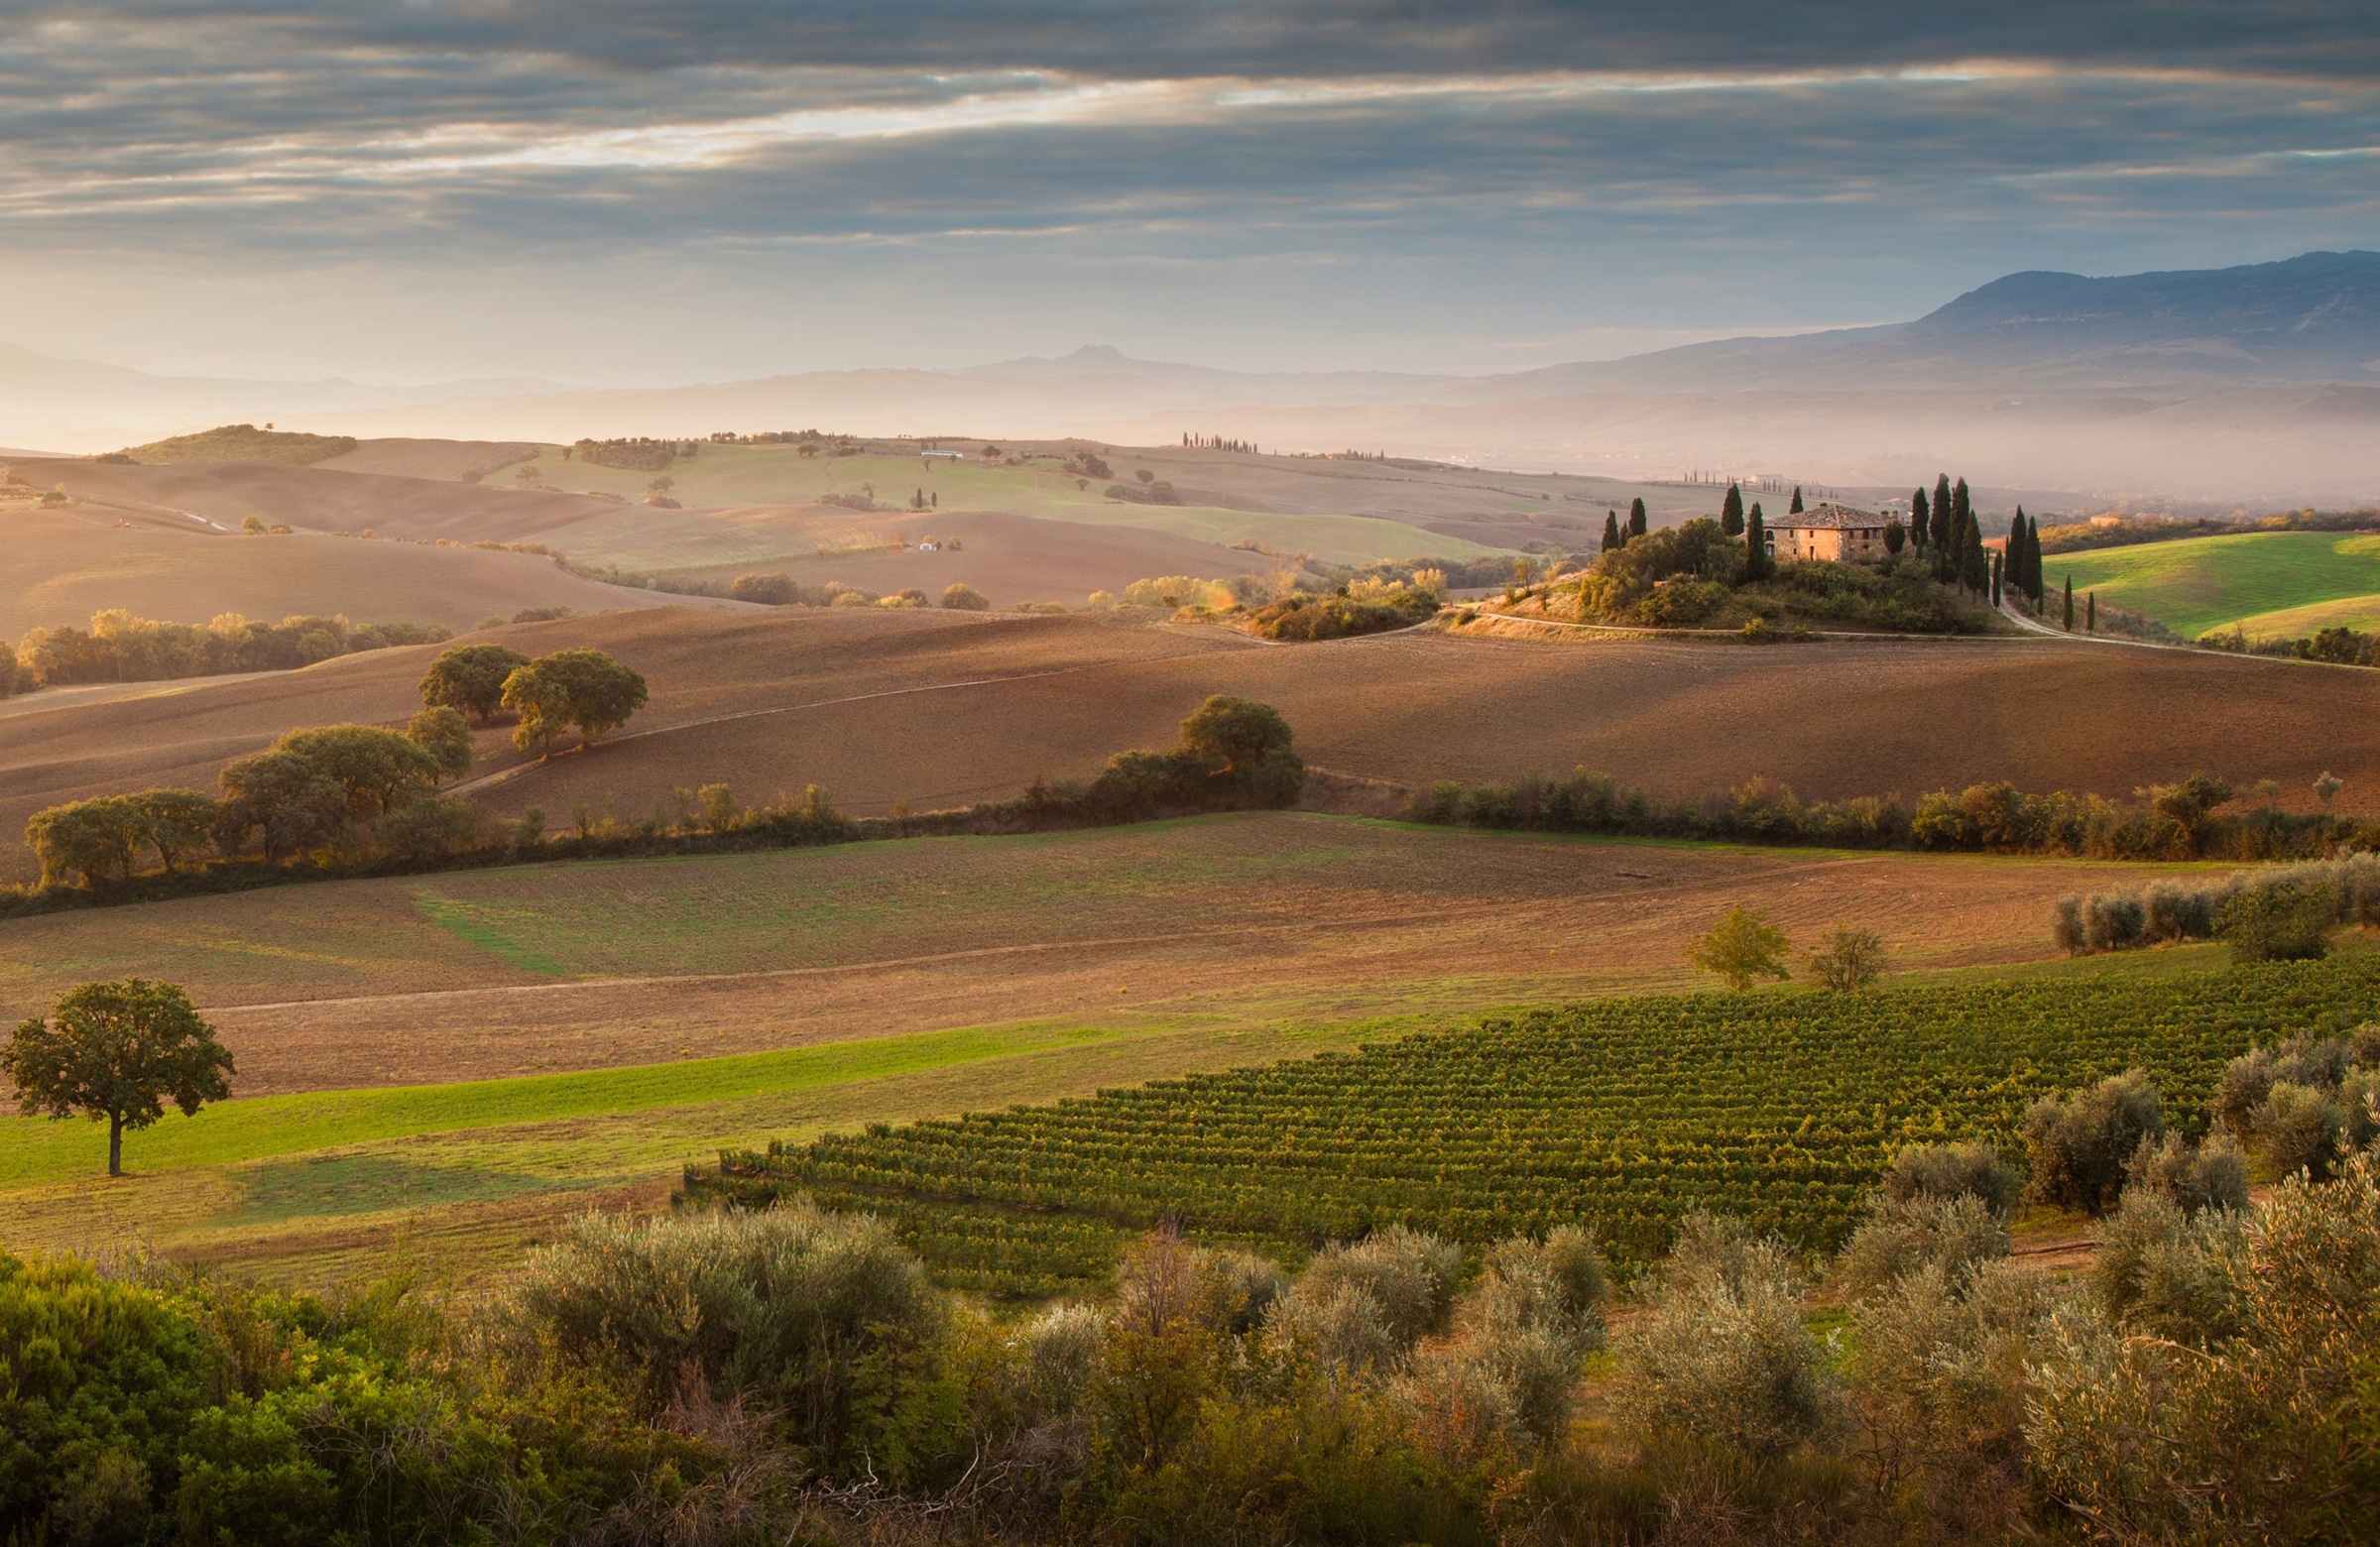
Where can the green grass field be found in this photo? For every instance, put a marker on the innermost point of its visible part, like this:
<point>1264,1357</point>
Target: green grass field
<point>2269,582</point>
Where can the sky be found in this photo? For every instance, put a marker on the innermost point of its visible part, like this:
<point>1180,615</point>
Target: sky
<point>605,194</point>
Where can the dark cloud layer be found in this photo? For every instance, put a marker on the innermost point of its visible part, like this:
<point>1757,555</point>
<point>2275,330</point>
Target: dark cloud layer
<point>1526,171</point>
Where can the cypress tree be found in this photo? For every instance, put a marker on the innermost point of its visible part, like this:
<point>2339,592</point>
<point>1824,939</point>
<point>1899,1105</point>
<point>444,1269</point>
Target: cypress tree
<point>1635,519</point>
<point>1731,512</point>
<point>1974,572</point>
<point>1755,556</point>
<point>1895,535</point>
<point>1611,537</point>
<point>2092,617</point>
<point>2070,604</point>
<point>1795,509</point>
<point>2032,580</point>
<point>1999,565</point>
<point>1941,533</point>
<point>1919,514</point>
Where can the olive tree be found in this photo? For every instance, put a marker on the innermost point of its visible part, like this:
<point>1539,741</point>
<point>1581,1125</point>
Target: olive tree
<point>1743,946</point>
<point>118,1051</point>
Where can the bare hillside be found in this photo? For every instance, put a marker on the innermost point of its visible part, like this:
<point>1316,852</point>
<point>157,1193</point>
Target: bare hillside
<point>938,709</point>
<point>59,566</point>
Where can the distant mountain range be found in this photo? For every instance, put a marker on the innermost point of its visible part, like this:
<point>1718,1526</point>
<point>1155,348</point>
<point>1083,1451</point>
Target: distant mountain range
<point>2226,352</point>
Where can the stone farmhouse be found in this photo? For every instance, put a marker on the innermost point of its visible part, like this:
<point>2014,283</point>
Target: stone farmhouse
<point>1834,532</point>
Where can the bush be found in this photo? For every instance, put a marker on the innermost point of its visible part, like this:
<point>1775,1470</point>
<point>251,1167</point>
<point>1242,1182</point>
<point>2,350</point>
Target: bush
<point>965,598</point>
<point>1944,1171</point>
<point>2298,1129</point>
<point>1409,1276</point>
<point>2191,1177</point>
<point>2079,1142</point>
<point>2280,923</point>
<point>821,1319</point>
<point>1852,959</point>
<point>1908,1235</point>
<point>1307,619</point>
<point>433,827</point>
<point>771,590</point>
<point>1719,1354</point>
<point>2171,1272</point>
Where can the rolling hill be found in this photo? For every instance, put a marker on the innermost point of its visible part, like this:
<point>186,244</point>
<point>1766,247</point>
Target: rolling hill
<point>939,709</point>
<point>2269,583</point>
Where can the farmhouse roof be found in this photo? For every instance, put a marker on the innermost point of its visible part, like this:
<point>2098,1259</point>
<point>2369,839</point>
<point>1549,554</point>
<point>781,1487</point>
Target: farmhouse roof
<point>1828,518</point>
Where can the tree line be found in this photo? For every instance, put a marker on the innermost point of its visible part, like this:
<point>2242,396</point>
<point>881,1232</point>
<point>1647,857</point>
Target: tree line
<point>354,800</point>
<point>121,648</point>
<point>346,792</point>
<point>2184,820</point>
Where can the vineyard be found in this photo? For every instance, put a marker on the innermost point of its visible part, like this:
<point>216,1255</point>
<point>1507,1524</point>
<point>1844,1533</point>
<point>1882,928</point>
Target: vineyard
<point>1622,1113</point>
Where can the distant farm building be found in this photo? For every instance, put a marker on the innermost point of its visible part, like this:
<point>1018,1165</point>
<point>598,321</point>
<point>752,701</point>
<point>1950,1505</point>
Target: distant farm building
<point>1834,532</point>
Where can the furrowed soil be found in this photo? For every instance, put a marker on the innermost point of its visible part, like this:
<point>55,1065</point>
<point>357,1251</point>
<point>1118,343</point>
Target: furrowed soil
<point>595,1027</point>
<point>939,709</point>
<point>59,566</point>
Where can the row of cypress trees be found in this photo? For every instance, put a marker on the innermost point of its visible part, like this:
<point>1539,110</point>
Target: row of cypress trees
<point>1616,536</point>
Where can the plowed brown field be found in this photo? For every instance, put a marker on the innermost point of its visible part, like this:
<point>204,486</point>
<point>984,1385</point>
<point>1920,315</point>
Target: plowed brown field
<point>60,566</point>
<point>1219,923</point>
<point>938,709</point>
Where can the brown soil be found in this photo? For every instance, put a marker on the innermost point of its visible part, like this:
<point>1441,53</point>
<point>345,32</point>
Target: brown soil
<point>1232,920</point>
<point>60,566</point>
<point>404,457</point>
<point>939,709</point>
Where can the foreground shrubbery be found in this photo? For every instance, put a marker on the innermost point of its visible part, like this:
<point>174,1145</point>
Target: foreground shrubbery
<point>789,1376</point>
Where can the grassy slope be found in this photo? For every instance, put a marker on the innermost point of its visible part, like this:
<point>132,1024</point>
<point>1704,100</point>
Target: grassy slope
<point>2202,583</point>
<point>739,478</point>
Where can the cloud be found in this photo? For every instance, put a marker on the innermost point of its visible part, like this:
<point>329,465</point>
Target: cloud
<point>1548,169</point>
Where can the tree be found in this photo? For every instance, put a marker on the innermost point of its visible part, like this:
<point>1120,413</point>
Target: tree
<point>441,732</point>
<point>965,598</point>
<point>97,839</point>
<point>1611,537</point>
<point>1636,519</point>
<point>1998,565</point>
<point>470,677</point>
<point>1757,566</point>
<point>1743,948</point>
<point>1896,537</point>
<point>586,688</point>
<point>288,802</point>
<point>1795,509</point>
<point>1852,959</point>
<point>378,769</point>
<point>1236,734</point>
<point>2090,620</point>
<point>1975,572</point>
<point>1731,512</point>
<point>1940,536</point>
<point>1919,514</point>
<point>118,1051</point>
<point>174,821</point>
<point>2070,604</point>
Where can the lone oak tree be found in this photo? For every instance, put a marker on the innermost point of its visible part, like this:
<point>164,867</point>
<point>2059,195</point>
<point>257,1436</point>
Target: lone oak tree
<point>586,688</point>
<point>119,1052</point>
<point>1743,948</point>
<point>470,678</point>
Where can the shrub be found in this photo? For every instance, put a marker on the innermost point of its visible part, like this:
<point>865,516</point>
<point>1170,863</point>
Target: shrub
<point>1852,959</point>
<point>1946,1171</point>
<point>1409,1275</point>
<point>965,598</point>
<point>2191,1177</point>
<point>2067,929</point>
<point>2079,1142</point>
<point>1904,1236</point>
<point>821,1319</point>
<point>433,827</point>
<point>2298,1129</point>
<point>1719,1354</point>
<point>2173,1272</point>
<point>771,590</point>
<point>2279,923</point>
